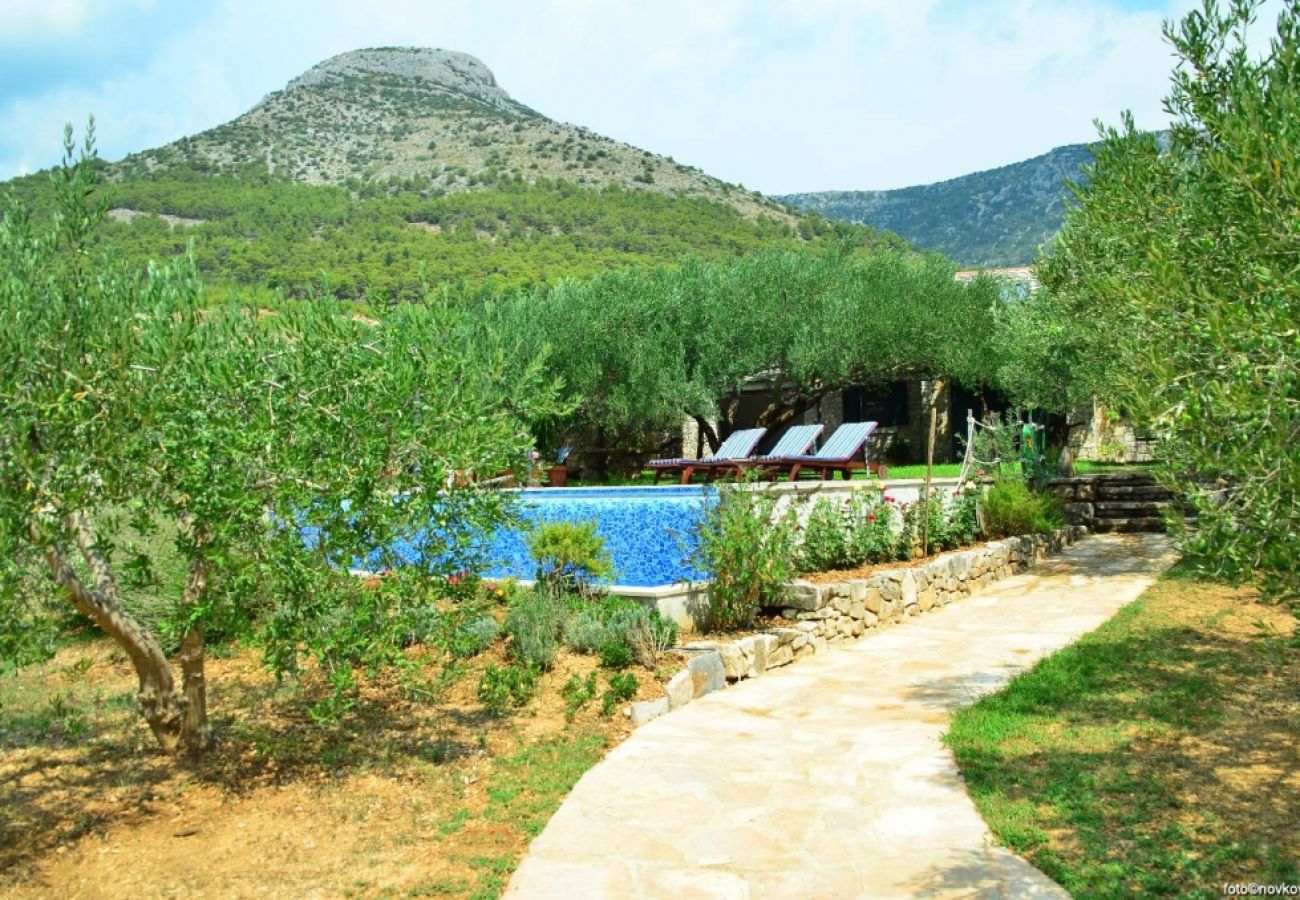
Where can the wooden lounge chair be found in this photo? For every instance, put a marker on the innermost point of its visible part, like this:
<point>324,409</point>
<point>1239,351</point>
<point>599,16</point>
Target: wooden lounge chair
<point>738,445</point>
<point>837,455</point>
<point>795,442</point>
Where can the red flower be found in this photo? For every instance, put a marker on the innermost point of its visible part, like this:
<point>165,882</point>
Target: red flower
<point>871,517</point>
<point>889,499</point>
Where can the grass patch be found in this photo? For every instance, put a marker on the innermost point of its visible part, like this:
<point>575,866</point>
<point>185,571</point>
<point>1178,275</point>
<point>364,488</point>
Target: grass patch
<point>1155,757</point>
<point>896,473</point>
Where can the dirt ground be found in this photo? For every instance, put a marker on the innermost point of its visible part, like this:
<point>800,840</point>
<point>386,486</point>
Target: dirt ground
<point>417,792</point>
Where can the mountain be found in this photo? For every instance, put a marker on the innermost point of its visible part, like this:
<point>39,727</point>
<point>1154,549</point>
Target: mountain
<point>379,173</point>
<point>995,218</point>
<point>437,116</point>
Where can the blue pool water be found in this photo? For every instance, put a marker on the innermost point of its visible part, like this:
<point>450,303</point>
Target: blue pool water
<point>647,530</point>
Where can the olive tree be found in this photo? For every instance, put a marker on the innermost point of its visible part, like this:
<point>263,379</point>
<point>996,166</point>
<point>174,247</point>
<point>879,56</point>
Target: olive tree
<point>641,350</point>
<point>1178,268</point>
<point>280,450</point>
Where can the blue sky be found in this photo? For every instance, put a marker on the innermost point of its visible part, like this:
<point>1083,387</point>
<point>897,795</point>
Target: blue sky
<point>780,95</point>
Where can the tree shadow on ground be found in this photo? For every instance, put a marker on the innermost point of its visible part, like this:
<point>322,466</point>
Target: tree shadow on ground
<point>58,786</point>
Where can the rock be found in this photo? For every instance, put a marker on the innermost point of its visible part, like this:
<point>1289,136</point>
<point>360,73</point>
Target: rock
<point>646,710</point>
<point>700,645</point>
<point>789,613</point>
<point>734,662</point>
<point>840,605</point>
<point>756,649</point>
<point>960,565</point>
<point>858,588</point>
<point>786,635</point>
<point>874,601</point>
<point>925,599</point>
<point>681,689</point>
<point>1078,512</point>
<point>908,590</point>
<point>870,620</point>
<point>858,611</point>
<point>806,596</point>
<point>781,656</point>
<point>858,628</point>
<point>806,627</point>
<point>707,673</point>
<point>799,642</point>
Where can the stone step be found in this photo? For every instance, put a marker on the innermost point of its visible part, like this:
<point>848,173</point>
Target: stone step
<point>1121,509</point>
<point>1150,524</point>
<point>1135,492</point>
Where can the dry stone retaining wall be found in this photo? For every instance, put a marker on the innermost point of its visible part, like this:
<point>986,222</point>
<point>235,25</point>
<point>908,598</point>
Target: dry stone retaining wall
<point>829,613</point>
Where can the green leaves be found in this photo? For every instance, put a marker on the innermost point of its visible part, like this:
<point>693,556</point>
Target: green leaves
<point>126,398</point>
<point>640,350</point>
<point>1176,283</point>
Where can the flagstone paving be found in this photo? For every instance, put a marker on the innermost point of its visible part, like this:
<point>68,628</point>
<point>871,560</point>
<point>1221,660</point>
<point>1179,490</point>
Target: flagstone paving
<point>828,778</point>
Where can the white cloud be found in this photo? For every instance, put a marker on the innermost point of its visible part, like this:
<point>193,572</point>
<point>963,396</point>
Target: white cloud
<point>37,19</point>
<point>782,96</point>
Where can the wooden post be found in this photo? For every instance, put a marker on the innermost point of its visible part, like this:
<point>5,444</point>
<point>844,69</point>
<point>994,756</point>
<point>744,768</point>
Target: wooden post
<point>936,388</point>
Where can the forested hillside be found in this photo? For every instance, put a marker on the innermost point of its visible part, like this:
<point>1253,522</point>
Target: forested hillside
<point>317,239</point>
<point>379,169</point>
<point>995,218</point>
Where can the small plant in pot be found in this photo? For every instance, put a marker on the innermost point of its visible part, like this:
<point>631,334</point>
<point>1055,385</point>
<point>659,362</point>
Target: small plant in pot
<point>557,469</point>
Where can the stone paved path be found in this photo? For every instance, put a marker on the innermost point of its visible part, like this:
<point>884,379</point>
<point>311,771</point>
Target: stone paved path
<point>827,778</point>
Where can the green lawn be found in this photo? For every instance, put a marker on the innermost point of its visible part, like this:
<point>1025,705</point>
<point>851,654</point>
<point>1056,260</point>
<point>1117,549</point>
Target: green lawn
<point>1155,757</point>
<point>896,473</point>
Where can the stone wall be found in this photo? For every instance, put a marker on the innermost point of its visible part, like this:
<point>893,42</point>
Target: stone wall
<point>823,614</point>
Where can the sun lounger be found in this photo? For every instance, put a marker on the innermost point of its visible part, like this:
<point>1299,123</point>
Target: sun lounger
<point>795,442</point>
<point>738,445</point>
<point>839,454</point>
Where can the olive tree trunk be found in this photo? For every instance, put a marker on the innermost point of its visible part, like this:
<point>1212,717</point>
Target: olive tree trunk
<point>179,723</point>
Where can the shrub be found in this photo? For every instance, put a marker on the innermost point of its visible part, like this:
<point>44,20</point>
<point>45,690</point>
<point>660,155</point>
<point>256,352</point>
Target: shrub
<point>750,553</point>
<point>570,556</point>
<point>963,515</point>
<point>611,621</point>
<point>474,635</point>
<point>871,529</point>
<point>535,621</point>
<point>585,631</point>
<point>577,693</point>
<point>825,537</point>
<point>622,687</point>
<point>499,688</point>
<point>650,638</point>
<point>615,655</point>
<point>1010,508</point>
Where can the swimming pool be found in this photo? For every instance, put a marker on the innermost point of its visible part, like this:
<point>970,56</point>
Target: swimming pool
<point>649,531</point>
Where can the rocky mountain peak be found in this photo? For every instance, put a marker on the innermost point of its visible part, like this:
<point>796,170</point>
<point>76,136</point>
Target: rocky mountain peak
<point>448,70</point>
